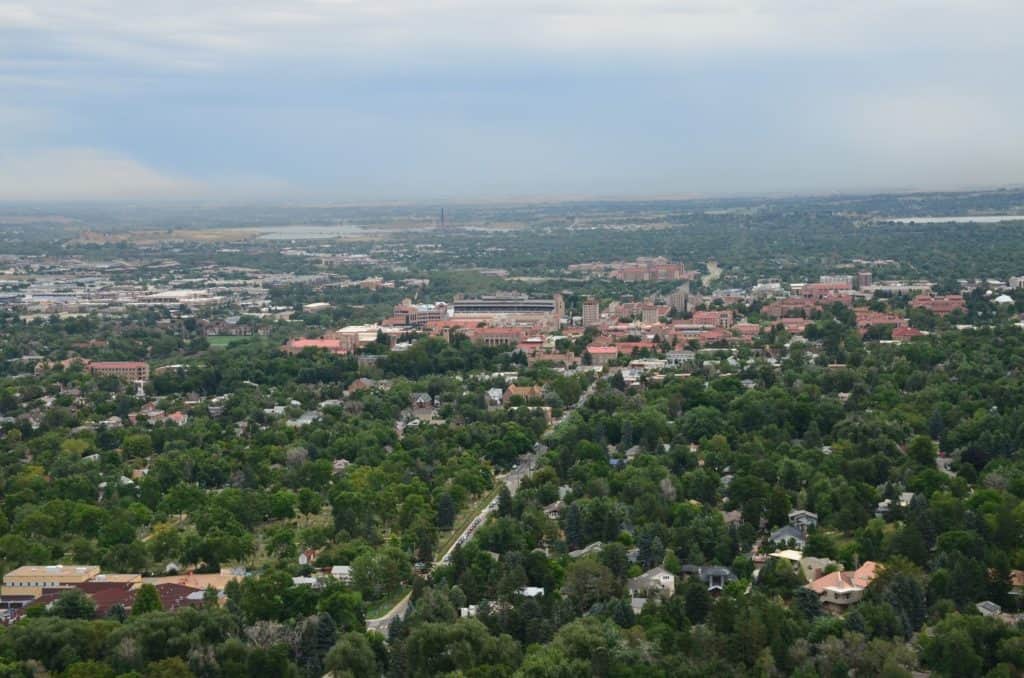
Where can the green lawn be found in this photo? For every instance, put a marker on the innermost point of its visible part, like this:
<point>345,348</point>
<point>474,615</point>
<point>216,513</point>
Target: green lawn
<point>221,342</point>
<point>384,605</point>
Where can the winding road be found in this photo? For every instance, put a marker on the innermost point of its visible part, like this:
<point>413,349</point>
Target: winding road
<point>525,467</point>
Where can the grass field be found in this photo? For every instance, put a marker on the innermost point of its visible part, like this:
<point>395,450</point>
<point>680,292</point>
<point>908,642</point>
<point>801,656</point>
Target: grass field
<point>383,606</point>
<point>221,342</point>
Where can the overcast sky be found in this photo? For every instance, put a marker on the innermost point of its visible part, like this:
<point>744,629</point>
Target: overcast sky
<point>349,100</point>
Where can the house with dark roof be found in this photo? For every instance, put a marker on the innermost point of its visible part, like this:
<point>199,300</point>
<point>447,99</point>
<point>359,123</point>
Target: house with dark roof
<point>803,520</point>
<point>715,577</point>
<point>788,535</point>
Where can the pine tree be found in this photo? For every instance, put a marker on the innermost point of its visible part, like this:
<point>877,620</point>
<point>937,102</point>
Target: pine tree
<point>326,635</point>
<point>504,501</point>
<point>445,511</point>
<point>573,526</point>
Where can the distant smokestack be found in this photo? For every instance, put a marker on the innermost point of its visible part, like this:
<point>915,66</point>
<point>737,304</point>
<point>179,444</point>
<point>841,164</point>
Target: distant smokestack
<point>442,217</point>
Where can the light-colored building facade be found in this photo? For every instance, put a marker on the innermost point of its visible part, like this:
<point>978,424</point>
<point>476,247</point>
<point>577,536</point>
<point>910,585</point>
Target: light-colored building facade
<point>32,579</point>
<point>129,370</point>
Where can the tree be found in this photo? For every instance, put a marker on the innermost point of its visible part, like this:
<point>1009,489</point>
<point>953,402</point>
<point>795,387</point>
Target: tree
<point>574,526</point>
<point>697,601</point>
<point>445,511</point>
<point>282,504</point>
<point>344,607</point>
<point>310,501</point>
<point>922,450</point>
<point>439,649</point>
<point>615,557</point>
<point>778,507</point>
<point>87,669</point>
<point>351,657</point>
<point>74,604</point>
<point>172,667</point>
<point>146,600</point>
<point>951,653</point>
<point>587,582</point>
<point>807,603</point>
<point>378,573</point>
<point>317,635</point>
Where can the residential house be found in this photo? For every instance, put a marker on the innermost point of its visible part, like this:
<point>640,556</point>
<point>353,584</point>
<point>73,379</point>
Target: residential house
<point>494,397</point>
<point>715,577</point>
<point>587,550</point>
<point>886,506</point>
<point>360,384</point>
<point>813,568</point>
<point>657,581</point>
<point>803,520</point>
<point>342,573</point>
<point>989,609</point>
<point>789,535</point>
<point>527,393</point>
<point>838,590</point>
<point>554,509</point>
<point>531,591</point>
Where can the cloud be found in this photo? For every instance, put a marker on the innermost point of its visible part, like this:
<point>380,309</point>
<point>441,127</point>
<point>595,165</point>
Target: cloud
<point>943,139</point>
<point>400,98</point>
<point>85,174</point>
<point>204,34</point>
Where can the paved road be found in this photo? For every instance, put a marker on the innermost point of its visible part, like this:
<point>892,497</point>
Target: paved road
<point>381,624</point>
<point>526,465</point>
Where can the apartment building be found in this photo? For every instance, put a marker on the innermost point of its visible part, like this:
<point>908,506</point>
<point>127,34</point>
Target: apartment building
<point>129,371</point>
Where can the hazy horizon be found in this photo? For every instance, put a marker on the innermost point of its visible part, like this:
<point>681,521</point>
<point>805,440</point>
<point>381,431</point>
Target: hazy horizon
<point>400,102</point>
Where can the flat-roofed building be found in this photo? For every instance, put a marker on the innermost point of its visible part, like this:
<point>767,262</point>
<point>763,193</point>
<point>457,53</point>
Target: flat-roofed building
<point>722,319</point>
<point>602,355</point>
<point>417,315</point>
<point>352,337</point>
<point>331,345</point>
<point>940,305</point>
<point>679,300</point>
<point>508,304</point>
<point>591,312</point>
<point>32,579</point>
<point>128,370</point>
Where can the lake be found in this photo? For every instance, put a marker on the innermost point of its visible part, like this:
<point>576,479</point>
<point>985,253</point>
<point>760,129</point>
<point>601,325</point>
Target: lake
<point>982,219</point>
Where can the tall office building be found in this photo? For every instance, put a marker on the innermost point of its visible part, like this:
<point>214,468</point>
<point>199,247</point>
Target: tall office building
<point>680,298</point>
<point>863,279</point>
<point>591,312</point>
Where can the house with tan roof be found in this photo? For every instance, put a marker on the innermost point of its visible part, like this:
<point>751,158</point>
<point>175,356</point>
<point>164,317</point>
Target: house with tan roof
<point>838,590</point>
<point>527,393</point>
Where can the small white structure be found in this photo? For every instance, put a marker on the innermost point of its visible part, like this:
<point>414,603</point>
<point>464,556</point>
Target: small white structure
<point>342,573</point>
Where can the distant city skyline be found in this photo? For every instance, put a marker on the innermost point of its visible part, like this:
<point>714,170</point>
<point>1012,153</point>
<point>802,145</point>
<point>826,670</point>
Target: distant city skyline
<point>401,101</point>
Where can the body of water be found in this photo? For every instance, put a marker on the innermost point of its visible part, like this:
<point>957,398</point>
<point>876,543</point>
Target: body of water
<point>310,232</point>
<point>982,219</point>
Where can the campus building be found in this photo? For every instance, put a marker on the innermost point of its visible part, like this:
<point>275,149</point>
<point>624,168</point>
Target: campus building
<point>30,580</point>
<point>129,371</point>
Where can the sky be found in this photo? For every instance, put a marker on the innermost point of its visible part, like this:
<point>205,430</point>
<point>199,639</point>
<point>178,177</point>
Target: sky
<point>407,100</point>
